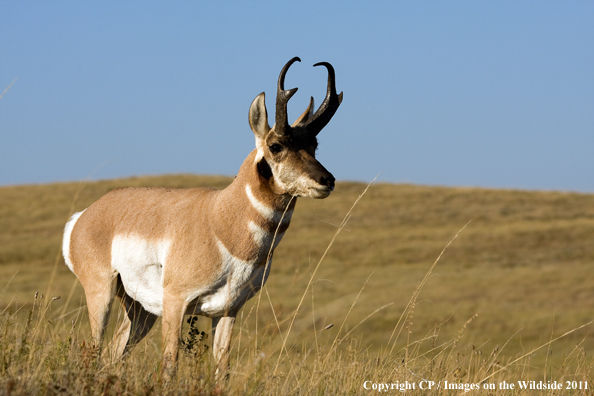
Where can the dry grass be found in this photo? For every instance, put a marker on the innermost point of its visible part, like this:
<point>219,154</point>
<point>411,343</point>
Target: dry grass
<point>512,282</point>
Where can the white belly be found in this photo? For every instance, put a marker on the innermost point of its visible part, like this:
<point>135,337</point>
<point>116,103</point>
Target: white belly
<point>140,263</point>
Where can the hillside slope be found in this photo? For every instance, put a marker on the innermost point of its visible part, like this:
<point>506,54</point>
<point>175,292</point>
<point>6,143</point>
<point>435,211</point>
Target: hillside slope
<point>522,264</point>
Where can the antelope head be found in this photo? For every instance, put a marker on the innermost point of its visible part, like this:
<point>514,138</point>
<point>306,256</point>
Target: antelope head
<point>286,153</point>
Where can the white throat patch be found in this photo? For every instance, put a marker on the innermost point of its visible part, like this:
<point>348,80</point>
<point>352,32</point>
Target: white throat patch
<point>266,211</point>
<point>263,238</point>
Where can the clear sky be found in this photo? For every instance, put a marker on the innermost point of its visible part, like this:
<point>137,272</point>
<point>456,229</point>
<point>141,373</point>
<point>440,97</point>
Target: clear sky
<point>464,93</point>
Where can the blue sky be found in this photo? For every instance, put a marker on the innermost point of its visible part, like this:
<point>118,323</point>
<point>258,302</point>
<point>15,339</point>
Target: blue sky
<point>465,93</point>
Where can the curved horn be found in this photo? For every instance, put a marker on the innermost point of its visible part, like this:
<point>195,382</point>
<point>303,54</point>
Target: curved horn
<point>328,107</point>
<point>282,99</point>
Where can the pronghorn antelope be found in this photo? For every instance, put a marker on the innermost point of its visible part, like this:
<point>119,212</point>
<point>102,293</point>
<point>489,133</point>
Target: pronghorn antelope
<point>170,252</point>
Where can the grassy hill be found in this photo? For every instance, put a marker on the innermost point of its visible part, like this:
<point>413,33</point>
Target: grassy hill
<point>516,277</point>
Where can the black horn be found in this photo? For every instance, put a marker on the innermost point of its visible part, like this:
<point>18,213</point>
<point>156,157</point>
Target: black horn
<point>282,99</point>
<point>328,107</point>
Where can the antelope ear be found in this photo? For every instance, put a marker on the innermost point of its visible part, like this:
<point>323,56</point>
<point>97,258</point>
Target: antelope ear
<point>258,117</point>
<point>306,114</point>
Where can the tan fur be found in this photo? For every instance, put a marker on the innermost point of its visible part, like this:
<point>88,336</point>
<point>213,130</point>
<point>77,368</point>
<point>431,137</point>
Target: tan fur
<point>204,250</point>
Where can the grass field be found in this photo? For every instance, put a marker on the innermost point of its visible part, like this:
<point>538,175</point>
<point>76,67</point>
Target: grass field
<point>514,279</point>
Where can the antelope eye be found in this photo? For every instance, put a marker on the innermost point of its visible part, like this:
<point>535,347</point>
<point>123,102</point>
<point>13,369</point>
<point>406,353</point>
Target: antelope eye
<point>275,148</point>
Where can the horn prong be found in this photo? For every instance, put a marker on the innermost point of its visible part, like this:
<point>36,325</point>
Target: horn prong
<point>282,99</point>
<point>330,104</point>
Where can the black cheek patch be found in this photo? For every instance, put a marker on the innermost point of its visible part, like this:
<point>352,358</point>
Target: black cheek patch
<point>264,169</point>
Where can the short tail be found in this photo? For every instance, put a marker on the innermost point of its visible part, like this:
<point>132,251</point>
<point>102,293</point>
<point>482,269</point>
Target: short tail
<point>66,241</point>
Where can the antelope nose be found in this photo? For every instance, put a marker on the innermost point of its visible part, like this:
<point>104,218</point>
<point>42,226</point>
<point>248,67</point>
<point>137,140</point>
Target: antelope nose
<point>328,181</point>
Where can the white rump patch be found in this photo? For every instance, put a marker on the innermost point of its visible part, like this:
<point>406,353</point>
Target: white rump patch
<point>140,263</point>
<point>66,241</point>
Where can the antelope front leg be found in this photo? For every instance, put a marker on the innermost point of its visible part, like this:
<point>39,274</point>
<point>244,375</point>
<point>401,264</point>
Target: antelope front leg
<point>173,314</point>
<point>222,329</point>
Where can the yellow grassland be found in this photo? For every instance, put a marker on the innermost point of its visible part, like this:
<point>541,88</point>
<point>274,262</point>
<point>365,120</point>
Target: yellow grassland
<point>514,279</point>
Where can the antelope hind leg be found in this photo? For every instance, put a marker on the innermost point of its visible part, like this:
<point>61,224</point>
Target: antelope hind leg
<point>99,296</point>
<point>136,325</point>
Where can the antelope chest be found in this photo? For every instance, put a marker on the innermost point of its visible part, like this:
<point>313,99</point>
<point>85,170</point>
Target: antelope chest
<point>238,281</point>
